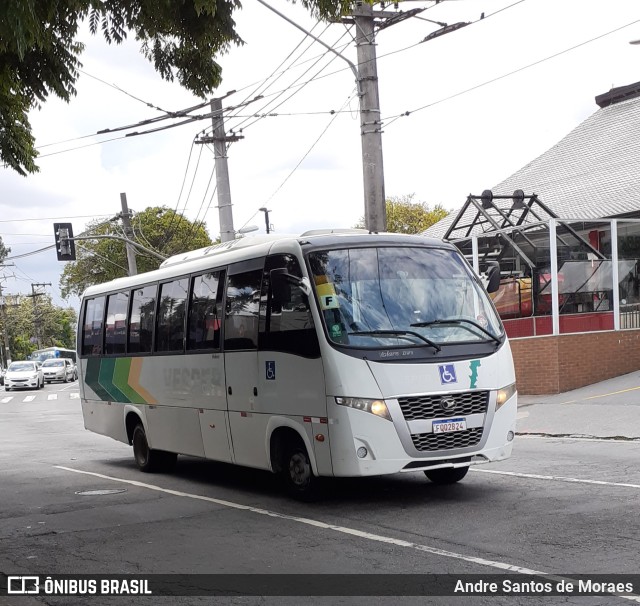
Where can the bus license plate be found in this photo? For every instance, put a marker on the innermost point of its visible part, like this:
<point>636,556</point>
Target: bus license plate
<point>449,425</point>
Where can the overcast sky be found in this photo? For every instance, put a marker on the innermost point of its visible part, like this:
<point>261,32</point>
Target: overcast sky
<point>483,101</point>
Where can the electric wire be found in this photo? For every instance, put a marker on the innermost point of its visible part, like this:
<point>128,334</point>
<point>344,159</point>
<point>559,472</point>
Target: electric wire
<point>353,94</point>
<point>391,119</point>
<point>182,112</point>
<point>273,73</point>
<point>116,87</point>
<point>298,89</point>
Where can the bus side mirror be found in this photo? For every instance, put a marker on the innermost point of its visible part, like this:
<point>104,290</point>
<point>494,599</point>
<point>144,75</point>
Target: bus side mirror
<point>281,283</point>
<point>493,276</point>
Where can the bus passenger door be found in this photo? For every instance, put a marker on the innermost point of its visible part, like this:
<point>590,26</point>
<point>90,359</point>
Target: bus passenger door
<point>290,371</point>
<point>247,425</point>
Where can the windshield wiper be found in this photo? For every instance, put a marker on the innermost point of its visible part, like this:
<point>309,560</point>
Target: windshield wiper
<point>458,321</point>
<point>397,333</point>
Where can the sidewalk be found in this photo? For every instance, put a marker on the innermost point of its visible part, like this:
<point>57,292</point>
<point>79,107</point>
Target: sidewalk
<point>610,409</point>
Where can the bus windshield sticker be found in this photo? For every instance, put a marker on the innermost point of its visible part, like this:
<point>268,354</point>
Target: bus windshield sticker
<point>447,374</point>
<point>327,295</point>
<point>336,331</point>
<point>329,302</point>
<point>325,288</point>
<point>270,370</point>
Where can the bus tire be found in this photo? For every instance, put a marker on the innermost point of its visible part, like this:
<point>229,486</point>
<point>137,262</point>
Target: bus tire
<point>297,474</point>
<point>443,477</point>
<point>147,460</point>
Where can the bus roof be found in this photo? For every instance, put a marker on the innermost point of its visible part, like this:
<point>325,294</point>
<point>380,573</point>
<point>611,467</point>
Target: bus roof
<point>238,250</point>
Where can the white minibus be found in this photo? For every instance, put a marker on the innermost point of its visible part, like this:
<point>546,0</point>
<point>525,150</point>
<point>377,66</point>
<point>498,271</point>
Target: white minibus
<point>325,354</point>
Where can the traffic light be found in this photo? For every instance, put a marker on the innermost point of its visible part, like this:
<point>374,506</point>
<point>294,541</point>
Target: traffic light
<point>65,246</point>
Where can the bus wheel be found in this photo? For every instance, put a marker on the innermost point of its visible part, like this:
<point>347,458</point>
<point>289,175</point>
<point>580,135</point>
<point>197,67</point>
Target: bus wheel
<point>446,476</point>
<point>297,473</point>
<point>149,460</point>
<point>146,459</point>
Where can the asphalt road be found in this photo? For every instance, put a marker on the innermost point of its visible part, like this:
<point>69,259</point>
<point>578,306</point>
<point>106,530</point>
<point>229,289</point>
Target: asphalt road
<point>559,506</point>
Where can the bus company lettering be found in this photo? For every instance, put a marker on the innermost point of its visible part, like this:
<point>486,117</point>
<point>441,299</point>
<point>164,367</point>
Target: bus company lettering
<point>209,379</point>
<point>396,353</point>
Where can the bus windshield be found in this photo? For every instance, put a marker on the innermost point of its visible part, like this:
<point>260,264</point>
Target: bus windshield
<point>401,297</point>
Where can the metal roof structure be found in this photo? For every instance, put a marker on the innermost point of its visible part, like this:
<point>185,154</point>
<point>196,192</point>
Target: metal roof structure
<point>592,173</point>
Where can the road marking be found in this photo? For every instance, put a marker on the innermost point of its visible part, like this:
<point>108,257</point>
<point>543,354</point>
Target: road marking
<point>74,396</point>
<point>7,400</point>
<point>29,399</point>
<point>535,476</point>
<point>52,396</point>
<point>604,395</point>
<point>341,529</point>
<point>576,438</point>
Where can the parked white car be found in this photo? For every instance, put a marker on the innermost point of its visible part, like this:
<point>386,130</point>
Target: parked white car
<point>24,375</point>
<point>58,369</point>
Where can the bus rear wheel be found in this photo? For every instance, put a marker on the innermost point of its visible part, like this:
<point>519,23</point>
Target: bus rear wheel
<point>446,476</point>
<point>297,473</point>
<point>149,460</point>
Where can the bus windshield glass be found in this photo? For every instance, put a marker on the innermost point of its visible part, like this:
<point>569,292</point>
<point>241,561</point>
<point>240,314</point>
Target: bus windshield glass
<point>401,297</point>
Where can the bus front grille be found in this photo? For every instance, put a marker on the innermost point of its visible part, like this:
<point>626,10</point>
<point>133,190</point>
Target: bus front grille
<point>430,406</point>
<point>447,441</point>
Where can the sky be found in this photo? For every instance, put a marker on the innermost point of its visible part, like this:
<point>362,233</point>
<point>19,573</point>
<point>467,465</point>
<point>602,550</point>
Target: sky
<point>482,102</point>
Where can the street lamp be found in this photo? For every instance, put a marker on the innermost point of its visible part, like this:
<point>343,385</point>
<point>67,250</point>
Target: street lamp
<point>266,217</point>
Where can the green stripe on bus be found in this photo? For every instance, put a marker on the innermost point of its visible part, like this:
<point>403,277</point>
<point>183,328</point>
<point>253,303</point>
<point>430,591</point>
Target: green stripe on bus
<point>92,378</point>
<point>107,368</point>
<point>121,381</point>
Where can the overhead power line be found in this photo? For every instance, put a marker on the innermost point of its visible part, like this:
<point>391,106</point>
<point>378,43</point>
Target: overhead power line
<point>390,120</point>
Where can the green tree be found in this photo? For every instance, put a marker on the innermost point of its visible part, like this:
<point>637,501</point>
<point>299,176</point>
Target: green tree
<point>157,228</point>
<point>39,52</point>
<point>4,251</point>
<point>404,216</point>
<point>54,325</point>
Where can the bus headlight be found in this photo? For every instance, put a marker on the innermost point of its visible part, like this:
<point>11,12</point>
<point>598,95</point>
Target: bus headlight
<point>504,394</point>
<point>376,407</point>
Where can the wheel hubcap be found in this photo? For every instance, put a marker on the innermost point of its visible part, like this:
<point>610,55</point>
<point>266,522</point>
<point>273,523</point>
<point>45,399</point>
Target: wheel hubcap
<point>299,469</point>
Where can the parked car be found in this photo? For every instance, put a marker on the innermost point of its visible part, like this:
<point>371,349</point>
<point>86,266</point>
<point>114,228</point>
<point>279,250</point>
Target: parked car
<point>58,369</point>
<point>24,375</point>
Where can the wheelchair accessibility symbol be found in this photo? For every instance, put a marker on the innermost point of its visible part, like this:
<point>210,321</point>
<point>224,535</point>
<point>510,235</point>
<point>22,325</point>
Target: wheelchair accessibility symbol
<point>270,368</point>
<point>447,374</point>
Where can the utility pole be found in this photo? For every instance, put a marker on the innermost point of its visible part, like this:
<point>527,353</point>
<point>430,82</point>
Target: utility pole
<point>375,212</point>
<point>366,73</point>
<point>5,327</point>
<point>220,139</point>
<point>128,232</point>
<point>36,311</point>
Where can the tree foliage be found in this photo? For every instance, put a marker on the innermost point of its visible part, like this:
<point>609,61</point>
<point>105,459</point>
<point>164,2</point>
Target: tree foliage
<point>404,216</point>
<point>157,228</point>
<point>4,251</point>
<point>30,318</point>
<point>39,52</point>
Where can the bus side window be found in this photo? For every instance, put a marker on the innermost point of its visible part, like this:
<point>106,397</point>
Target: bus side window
<point>116,324</point>
<point>141,321</point>
<point>204,312</point>
<point>171,316</point>
<point>92,328</point>
<point>241,313</point>
<point>286,323</point>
